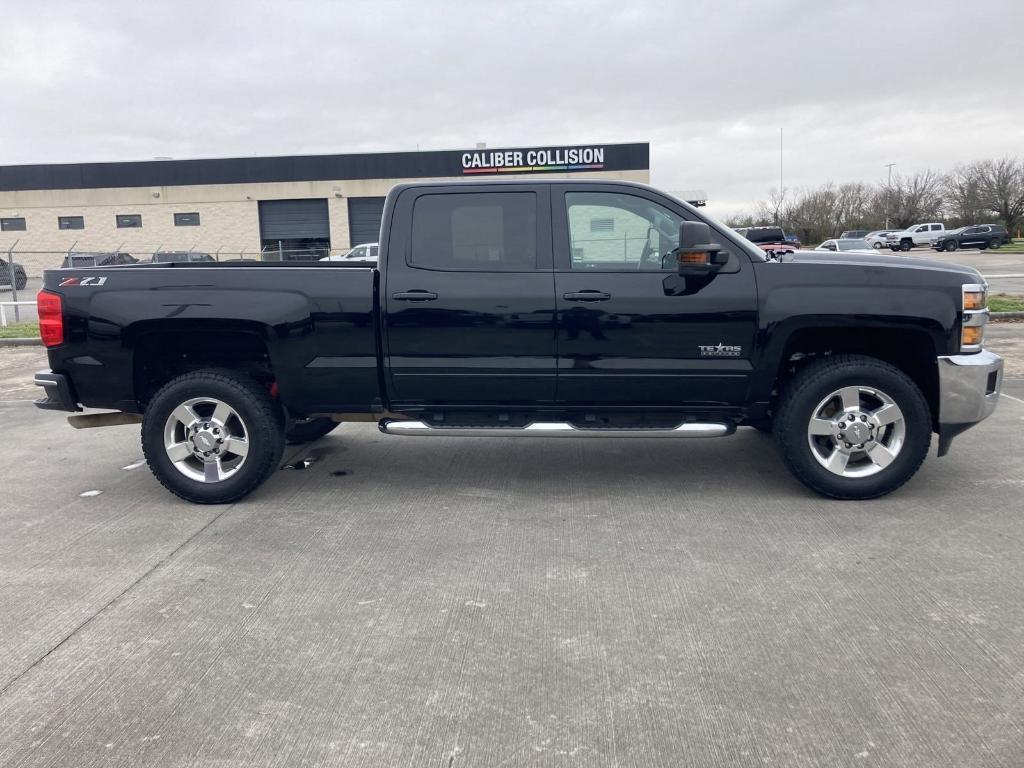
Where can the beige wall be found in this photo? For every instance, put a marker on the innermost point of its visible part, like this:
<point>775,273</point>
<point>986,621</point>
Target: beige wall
<point>228,214</point>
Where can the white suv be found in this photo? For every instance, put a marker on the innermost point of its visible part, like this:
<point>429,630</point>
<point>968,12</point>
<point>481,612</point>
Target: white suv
<point>916,234</point>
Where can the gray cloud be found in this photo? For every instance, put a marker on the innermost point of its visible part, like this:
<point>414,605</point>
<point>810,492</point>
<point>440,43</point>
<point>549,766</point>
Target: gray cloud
<point>853,85</point>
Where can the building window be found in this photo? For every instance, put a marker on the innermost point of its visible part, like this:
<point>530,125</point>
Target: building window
<point>186,219</point>
<point>129,220</point>
<point>13,225</point>
<point>70,222</point>
<point>602,225</point>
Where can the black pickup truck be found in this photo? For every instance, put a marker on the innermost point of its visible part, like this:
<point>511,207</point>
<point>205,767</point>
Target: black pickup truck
<point>528,308</point>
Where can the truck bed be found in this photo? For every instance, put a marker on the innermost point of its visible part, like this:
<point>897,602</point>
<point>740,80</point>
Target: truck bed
<point>315,320</point>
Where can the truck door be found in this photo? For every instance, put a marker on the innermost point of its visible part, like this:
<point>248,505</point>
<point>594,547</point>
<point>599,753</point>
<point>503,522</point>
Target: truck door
<point>630,329</point>
<point>468,296</point>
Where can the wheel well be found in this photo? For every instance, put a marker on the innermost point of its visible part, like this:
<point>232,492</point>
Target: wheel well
<point>911,351</point>
<point>163,354</point>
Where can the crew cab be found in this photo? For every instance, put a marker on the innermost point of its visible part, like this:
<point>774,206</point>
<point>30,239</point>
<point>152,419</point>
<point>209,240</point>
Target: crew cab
<point>916,234</point>
<point>528,308</point>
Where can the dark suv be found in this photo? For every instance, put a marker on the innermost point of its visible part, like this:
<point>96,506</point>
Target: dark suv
<point>976,236</point>
<point>20,278</point>
<point>102,259</point>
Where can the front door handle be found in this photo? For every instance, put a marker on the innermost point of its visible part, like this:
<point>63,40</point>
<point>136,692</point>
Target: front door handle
<point>588,295</point>
<point>415,295</point>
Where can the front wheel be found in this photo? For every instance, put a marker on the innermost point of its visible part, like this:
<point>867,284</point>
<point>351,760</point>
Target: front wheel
<point>906,245</point>
<point>853,427</point>
<point>212,436</point>
<point>952,245</point>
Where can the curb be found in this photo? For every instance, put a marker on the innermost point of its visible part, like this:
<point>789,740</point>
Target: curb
<point>21,342</point>
<point>1006,315</point>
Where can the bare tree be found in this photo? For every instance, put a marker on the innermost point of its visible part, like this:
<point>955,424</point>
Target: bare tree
<point>963,200</point>
<point>910,199</point>
<point>1001,185</point>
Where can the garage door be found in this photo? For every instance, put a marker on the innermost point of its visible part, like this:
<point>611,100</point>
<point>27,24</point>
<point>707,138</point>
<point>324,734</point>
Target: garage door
<point>294,219</point>
<point>364,215</point>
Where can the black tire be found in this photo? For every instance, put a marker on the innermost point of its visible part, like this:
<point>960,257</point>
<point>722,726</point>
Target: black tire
<point>906,245</point>
<point>995,242</point>
<point>952,245</point>
<point>877,246</point>
<point>814,383</point>
<point>309,430</point>
<point>20,279</point>
<point>261,415</point>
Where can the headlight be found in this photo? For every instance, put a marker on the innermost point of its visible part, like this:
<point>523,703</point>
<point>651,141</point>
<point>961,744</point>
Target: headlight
<point>975,312</point>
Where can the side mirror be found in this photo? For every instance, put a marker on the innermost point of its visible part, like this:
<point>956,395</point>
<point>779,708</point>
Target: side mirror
<point>696,253</point>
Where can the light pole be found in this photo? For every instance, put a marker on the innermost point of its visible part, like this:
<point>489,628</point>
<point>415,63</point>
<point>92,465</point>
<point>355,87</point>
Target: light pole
<point>888,193</point>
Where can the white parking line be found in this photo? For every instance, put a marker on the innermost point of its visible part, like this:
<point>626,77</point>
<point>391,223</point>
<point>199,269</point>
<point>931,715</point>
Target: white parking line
<point>1003,394</point>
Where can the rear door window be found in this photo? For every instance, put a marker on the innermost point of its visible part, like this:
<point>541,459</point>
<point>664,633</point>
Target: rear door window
<point>485,231</point>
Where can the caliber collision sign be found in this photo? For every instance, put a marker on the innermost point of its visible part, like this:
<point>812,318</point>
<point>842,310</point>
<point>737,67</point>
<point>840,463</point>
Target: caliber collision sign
<point>533,160</point>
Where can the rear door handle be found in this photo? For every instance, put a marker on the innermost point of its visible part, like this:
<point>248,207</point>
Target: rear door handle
<point>586,296</point>
<point>415,295</point>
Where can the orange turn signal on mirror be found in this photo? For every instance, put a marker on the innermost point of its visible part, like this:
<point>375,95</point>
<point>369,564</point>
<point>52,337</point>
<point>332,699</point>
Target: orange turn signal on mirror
<point>972,335</point>
<point>974,300</point>
<point>693,257</point>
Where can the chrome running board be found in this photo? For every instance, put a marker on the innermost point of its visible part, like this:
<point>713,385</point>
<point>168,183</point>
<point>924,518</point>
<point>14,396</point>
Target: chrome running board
<point>554,429</point>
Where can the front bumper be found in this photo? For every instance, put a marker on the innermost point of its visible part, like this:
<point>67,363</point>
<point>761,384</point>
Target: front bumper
<point>968,392</point>
<point>59,395</point>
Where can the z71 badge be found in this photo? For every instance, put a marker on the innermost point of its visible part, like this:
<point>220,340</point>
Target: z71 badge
<point>720,350</point>
<point>82,281</point>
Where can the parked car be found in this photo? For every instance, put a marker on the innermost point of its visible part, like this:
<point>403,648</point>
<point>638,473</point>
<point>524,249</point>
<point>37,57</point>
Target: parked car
<point>20,277</point>
<point>876,239</point>
<point>917,234</point>
<point>851,245</point>
<point>769,239</point>
<point>165,257</point>
<point>853,234</point>
<point>365,252</point>
<point>977,236</point>
<point>102,259</point>
<point>709,334</point>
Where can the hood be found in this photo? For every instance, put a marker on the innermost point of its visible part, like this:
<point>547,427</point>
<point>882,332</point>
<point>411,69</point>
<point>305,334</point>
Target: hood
<point>851,259</point>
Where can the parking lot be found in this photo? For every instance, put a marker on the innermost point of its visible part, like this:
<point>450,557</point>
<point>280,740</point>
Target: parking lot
<point>483,602</point>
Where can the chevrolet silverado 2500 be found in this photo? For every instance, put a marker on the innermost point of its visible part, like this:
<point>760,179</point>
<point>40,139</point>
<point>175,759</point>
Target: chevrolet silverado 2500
<point>528,308</point>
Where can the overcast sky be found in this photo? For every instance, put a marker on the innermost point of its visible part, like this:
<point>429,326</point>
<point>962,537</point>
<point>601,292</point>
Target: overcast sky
<point>853,85</point>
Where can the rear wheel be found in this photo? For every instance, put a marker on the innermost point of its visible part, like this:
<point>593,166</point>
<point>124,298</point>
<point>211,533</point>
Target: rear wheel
<point>212,436</point>
<point>853,427</point>
<point>309,430</point>
<point>995,242</point>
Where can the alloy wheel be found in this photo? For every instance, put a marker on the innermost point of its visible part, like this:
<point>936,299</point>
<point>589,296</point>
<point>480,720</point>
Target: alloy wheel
<point>856,431</point>
<point>206,440</point>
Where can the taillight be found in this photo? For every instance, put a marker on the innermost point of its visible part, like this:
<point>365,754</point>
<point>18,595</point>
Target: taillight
<point>51,318</point>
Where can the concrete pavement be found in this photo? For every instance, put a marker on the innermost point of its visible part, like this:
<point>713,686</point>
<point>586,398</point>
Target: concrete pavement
<point>480,602</point>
